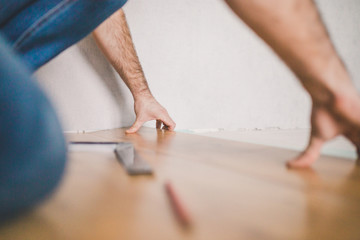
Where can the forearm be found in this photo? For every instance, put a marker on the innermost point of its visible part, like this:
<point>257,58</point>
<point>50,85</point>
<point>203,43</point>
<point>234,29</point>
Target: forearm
<point>293,28</point>
<point>114,39</point>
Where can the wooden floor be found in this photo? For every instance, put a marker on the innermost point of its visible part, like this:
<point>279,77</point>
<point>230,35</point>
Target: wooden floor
<point>232,190</point>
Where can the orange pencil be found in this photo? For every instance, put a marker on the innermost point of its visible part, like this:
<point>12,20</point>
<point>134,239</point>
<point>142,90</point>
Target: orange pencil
<point>178,206</point>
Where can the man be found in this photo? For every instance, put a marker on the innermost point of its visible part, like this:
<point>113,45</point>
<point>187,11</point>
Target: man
<point>32,147</point>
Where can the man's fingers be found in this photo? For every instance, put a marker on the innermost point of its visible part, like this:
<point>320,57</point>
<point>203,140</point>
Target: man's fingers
<point>309,156</point>
<point>158,124</point>
<point>135,127</point>
<point>168,122</point>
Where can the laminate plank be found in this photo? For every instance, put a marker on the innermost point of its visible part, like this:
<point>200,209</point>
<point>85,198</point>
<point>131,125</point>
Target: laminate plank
<point>232,190</point>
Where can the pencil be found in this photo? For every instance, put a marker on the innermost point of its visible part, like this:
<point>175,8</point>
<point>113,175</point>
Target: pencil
<point>178,207</point>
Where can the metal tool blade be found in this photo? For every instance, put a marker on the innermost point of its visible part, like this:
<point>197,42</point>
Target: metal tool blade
<point>131,160</point>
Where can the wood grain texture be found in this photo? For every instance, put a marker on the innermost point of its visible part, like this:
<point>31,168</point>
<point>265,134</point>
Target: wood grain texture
<point>232,190</point>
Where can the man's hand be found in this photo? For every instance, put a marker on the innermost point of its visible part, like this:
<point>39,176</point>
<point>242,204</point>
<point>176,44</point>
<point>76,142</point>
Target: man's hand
<point>147,109</point>
<point>340,117</point>
<point>114,39</point>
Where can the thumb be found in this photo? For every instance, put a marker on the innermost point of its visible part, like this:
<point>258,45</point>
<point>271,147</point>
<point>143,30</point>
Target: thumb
<point>135,127</point>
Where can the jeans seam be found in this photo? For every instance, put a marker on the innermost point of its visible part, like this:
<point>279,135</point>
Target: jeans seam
<point>30,31</point>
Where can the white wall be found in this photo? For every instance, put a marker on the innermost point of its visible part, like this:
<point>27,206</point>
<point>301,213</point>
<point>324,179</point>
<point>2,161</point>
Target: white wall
<point>86,91</point>
<point>202,63</point>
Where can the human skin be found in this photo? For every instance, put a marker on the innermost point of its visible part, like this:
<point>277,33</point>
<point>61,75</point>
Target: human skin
<point>295,31</point>
<point>114,39</point>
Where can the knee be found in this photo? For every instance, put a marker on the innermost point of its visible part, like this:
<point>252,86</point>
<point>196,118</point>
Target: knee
<point>33,154</point>
<point>33,167</point>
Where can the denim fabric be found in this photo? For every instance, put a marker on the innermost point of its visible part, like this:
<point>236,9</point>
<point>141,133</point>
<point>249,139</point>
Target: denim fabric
<point>32,146</point>
<point>40,29</point>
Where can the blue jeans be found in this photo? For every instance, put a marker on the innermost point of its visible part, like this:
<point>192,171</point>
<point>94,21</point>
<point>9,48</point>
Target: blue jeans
<point>41,29</point>
<point>32,146</point>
